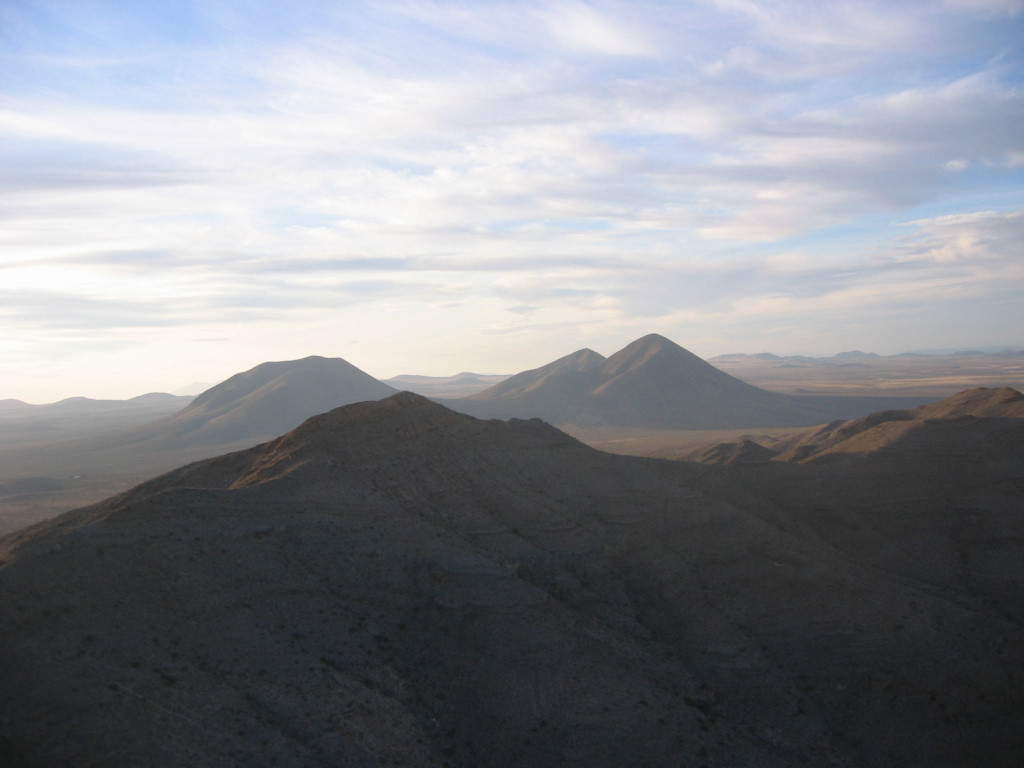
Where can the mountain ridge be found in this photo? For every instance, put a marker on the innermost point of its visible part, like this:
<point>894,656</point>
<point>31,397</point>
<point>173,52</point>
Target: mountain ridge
<point>392,580</point>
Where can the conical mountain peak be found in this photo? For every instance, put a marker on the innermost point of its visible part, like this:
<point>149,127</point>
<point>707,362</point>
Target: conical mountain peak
<point>647,348</point>
<point>652,383</point>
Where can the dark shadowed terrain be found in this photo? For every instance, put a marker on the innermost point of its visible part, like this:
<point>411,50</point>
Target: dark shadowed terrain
<point>393,583</point>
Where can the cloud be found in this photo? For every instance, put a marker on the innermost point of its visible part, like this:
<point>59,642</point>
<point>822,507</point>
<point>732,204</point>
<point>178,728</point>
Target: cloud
<point>342,139</point>
<point>79,315</point>
<point>582,28</point>
<point>969,239</point>
<point>1009,7</point>
<point>584,164</point>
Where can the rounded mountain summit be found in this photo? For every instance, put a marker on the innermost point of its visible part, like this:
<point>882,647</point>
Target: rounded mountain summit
<point>273,398</point>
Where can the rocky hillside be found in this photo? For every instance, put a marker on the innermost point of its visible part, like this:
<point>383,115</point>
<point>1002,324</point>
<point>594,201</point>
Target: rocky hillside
<point>393,583</point>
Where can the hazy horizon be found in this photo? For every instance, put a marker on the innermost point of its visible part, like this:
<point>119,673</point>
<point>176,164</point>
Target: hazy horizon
<point>195,388</point>
<point>190,190</point>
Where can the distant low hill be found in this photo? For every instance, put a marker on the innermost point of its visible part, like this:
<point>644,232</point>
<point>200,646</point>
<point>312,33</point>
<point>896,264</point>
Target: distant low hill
<point>459,385</point>
<point>653,383</point>
<point>23,424</point>
<point>193,389</point>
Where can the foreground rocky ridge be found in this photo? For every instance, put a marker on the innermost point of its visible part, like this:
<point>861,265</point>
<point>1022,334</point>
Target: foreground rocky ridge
<point>394,583</point>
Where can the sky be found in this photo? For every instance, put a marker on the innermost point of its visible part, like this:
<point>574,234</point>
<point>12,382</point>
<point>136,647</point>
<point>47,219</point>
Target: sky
<point>188,189</point>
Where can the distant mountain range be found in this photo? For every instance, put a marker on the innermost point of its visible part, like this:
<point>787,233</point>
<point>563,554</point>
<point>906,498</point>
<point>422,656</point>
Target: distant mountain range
<point>857,354</point>
<point>22,424</point>
<point>653,383</point>
<point>459,385</point>
<point>394,583</point>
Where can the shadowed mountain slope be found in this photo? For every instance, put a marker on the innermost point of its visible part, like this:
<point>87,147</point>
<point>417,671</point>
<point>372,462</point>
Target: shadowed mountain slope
<point>395,583</point>
<point>653,383</point>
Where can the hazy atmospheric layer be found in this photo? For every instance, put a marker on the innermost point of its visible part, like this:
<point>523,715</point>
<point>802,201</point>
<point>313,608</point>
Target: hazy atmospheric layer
<point>192,189</point>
